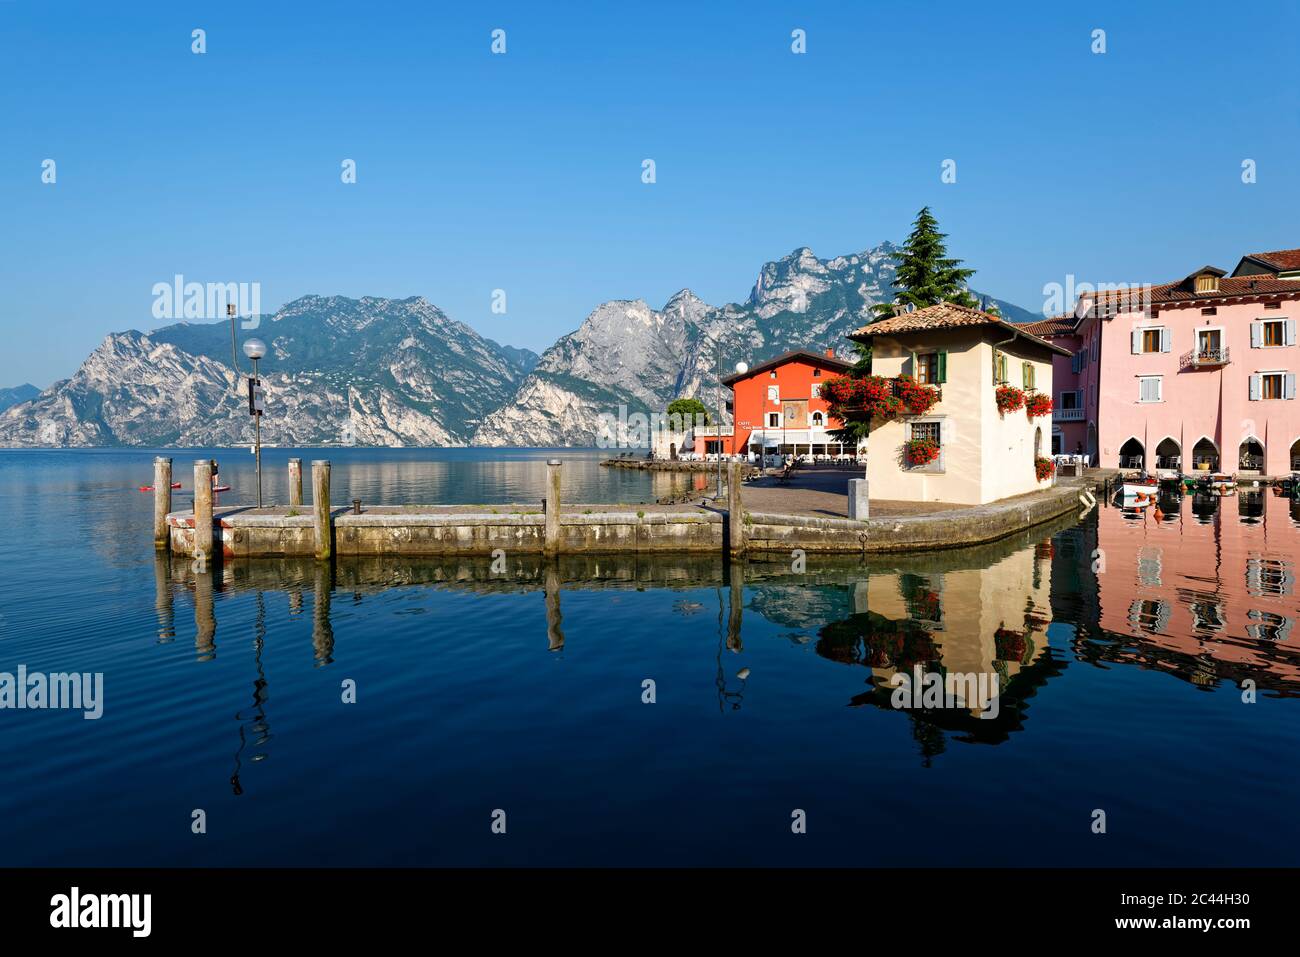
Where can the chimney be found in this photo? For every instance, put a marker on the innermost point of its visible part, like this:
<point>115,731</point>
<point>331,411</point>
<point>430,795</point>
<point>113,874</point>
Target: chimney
<point>830,353</point>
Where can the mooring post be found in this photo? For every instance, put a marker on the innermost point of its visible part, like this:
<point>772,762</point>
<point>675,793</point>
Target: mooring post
<point>735,510</point>
<point>295,482</point>
<point>551,545</point>
<point>859,503</point>
<point>320,503</point>
<point>203,510</point>
<point>162,500</point>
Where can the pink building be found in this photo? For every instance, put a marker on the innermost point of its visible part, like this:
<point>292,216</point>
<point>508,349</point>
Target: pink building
<point>1193,375</point>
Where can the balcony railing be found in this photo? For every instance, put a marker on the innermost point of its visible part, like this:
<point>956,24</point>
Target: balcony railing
<point>1068,415</point>
<point>1205,358</point>
<point>711,431</point>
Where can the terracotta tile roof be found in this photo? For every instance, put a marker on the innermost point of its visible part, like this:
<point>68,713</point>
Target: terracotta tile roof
<point>1283,260</point>
<point>945,315</point>
<point>1055,326</point>
<point>1181,291</point>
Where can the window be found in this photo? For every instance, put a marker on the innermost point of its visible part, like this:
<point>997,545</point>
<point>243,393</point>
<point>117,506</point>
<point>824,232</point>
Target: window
<point>1027,374</point>
<point>1150,340</point>
<point>817,373</point>
<point>1209,311</point>
<point>774,420</point>
<point>1272,332</point>
<point>1272,385</point>
<point>1072,399</point>
<point>999,368</point>
<point>926,430</point>
<point>772,374</point>
<point>773,394</point>
<point>931,368</point>
<point>1150,388</point>
<point>818,419</point>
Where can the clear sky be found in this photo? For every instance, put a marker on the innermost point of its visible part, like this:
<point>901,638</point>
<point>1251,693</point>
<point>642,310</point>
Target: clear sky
<point>522,171</point>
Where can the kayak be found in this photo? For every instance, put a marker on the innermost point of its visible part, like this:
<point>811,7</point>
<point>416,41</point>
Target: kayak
<point>149,488</point>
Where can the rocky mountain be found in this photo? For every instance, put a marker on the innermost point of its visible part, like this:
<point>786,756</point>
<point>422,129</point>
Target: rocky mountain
<point>628,354</point>
<point>18,393</point>
<point>376,371</point>
<point>368,371</point>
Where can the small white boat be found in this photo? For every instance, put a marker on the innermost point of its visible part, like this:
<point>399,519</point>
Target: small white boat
<point>1139,487</point>
<point>1222,482</point>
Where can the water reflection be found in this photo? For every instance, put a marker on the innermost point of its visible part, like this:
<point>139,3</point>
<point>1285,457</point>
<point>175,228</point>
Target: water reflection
<point>1205,591</point>
<point>1193,587</point>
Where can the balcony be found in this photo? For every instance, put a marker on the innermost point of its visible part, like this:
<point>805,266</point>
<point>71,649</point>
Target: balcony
<point>1205,358</point>
<point>1067,415</point>
<point>712,431</point>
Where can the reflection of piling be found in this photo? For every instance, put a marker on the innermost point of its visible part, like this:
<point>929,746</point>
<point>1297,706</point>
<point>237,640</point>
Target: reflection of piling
<point>295,602</point>
<point>320,504</point>
<point>203,509</point>
<point>551,584</point>
<point>162,500</point>
<point>205,621</point>
<point>162,596</point>
<point>295,482</point>
<point>322,632</point>
<point>735,527</point>
<point>551,545</point>
<point>736,605</point>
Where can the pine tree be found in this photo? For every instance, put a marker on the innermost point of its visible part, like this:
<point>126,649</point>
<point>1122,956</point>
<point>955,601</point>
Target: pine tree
<point>926,275</point>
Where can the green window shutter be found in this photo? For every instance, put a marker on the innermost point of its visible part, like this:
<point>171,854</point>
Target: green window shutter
<point>1024,374</point>
<point>995,366</point>
<point>941,373</point>
<point>915,368</point>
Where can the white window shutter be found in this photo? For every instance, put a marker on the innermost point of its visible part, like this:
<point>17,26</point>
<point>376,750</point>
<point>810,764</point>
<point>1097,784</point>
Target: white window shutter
<point>1290,332</point>
<point>1256,335</point>
<point>1290,385</point>
<point>1137,341</point>
<point>1166,339</point>
<point>1254,388</point>
<point>1159,389</point>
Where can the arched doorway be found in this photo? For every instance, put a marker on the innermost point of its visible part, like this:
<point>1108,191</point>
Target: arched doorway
<point>1205,456</point>
<point>1038,443</point>
<point>1169,455</point>
<point>1132,455</point>
<point>1250,455</point>
<point>1295,456</point>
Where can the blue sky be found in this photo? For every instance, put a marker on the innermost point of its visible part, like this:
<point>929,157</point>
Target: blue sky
<point>523,171</point>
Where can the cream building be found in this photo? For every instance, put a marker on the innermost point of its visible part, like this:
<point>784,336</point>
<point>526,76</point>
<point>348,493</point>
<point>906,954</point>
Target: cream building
<point>984,455</point>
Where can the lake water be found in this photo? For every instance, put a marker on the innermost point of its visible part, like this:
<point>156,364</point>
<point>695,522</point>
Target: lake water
<point>1119,644</point>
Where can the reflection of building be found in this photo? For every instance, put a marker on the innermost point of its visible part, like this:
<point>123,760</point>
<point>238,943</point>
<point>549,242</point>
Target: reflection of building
<point>982,454</point>
<point>1209,595</point>
<point>1197,374</point>
<point>990,620</point>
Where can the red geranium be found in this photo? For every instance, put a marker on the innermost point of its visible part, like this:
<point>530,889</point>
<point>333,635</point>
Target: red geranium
<point>1044,468</point>
<point>1009,398</point>
<point>872,395</point>
<point>1038,404</point>
<point>921,451</point>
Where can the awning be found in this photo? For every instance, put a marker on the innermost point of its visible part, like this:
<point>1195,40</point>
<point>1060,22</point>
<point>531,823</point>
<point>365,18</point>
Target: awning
<point>773,438</point>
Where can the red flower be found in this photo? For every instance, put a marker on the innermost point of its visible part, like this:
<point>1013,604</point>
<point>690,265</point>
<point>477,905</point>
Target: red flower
<point>921,451</point>
<point>1038,404</point>
<point>1009,398</point>
<point>1044,468</point>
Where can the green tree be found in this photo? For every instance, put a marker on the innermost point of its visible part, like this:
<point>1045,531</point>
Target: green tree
<point>688,409</point>
<point>926,275</point>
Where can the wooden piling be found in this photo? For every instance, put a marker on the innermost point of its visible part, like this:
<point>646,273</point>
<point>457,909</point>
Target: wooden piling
<point>295,482</point>
<point>551,543</point>
<point>162,500</point>
<point>203,510</point>
<point>735,510</point>
<point>320,504</point>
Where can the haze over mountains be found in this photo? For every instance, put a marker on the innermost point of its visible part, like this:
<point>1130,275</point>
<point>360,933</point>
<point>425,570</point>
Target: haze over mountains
<point>375,371</point>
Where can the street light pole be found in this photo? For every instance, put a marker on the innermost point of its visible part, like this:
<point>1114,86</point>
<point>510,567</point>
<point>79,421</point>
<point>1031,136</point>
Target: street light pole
<point>255,349</point>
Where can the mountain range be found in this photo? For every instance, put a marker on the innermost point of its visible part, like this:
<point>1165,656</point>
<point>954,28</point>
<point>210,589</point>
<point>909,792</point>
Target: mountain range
<point>375,371</point>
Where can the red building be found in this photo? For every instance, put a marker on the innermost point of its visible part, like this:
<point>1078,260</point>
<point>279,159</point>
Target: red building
<point>776,407</point>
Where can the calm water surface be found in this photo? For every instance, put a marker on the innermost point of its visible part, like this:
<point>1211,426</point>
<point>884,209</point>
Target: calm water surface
<point>1120,644</point>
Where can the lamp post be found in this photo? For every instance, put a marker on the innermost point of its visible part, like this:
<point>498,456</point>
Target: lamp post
<point>741,369</point>
<point>255,349</point>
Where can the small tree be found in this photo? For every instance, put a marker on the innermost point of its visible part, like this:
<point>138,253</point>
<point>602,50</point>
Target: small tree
<point>926,276</point>
<point>687,410</point>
